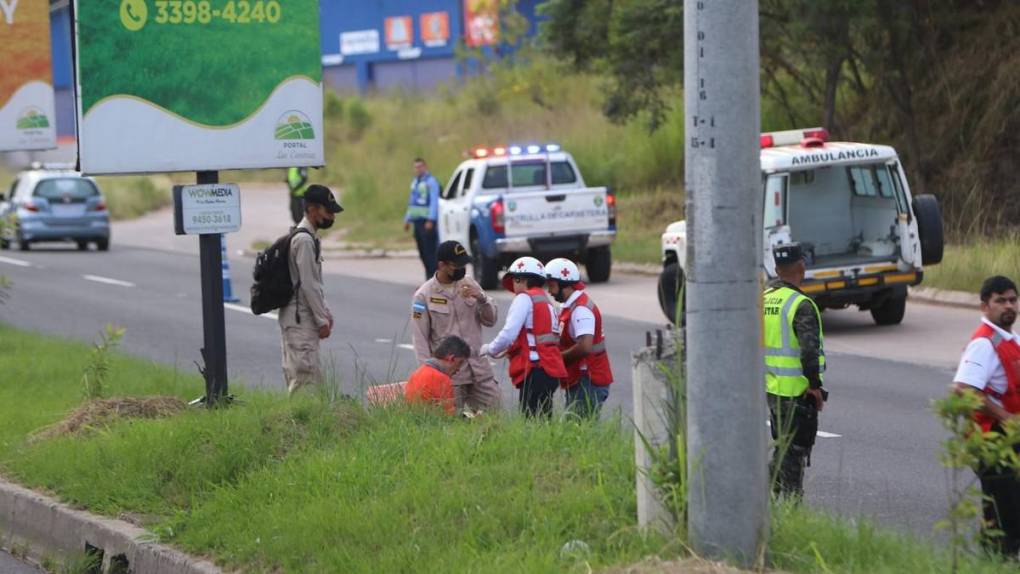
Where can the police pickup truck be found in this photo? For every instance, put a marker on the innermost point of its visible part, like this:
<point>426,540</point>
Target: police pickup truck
<point>848,204</point>
<point>505,202</point>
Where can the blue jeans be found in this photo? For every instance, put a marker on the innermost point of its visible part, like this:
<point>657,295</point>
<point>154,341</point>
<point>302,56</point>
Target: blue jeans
<point>585,399</point>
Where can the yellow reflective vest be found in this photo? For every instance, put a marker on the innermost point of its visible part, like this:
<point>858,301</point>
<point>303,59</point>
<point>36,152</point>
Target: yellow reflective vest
<point>297,181</point>
<point>784,375</point>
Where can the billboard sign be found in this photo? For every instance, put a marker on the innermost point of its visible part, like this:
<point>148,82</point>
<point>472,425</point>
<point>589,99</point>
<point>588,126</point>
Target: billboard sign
<point>198,85</point>
<point>435,29</point>
<point>27,118</point>
<point>481,23</point>
<point>399,32</point>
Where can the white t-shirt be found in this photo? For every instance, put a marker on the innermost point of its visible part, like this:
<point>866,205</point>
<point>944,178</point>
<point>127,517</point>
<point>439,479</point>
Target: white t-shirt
<point>520,317</point>
<point>980,365</point>
<point>582,320</point>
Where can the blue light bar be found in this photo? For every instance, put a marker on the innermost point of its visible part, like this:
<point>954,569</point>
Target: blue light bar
<point>552,147</point>
<point>534,149</point>
<point>515,150</point>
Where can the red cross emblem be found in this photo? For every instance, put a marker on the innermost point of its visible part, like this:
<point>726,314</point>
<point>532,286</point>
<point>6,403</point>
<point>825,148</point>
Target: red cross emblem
<point>564,272</point>
<point>520,265</point>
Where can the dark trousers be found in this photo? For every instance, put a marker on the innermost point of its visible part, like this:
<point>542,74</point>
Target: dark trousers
<point>297,208</point>
<point>536,393</point>
<point>428,242</point>
<point>793,422</point>
<point>1001,506</point>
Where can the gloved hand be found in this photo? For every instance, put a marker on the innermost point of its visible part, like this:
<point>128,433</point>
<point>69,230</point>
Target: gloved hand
<point>484,350</point>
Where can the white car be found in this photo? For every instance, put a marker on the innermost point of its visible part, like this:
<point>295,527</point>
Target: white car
<point>515,200</point>
<point>849,206</point>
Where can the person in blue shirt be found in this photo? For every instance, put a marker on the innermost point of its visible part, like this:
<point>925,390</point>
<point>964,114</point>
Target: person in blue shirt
<point>423,215</point>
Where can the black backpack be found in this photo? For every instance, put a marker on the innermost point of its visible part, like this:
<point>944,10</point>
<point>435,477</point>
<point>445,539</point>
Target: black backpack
<point>273,287</point>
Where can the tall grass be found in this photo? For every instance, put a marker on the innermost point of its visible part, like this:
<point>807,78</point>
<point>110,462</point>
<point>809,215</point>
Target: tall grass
<point>966,265</point>
<point>132,196</point>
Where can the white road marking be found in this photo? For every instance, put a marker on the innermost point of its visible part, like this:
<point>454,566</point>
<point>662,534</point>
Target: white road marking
<point>243,309</point>
<point>819,434</point>
<point>384,340</point>
<point>406,346</point>
<point>108,281</point>
<point>13,261</point>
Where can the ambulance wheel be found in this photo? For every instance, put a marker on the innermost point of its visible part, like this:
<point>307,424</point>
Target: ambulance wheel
<point>929,228</point>
<point>891,311</point>
<point>485,270</point>
<point>599,264</point>
<point>671,282</point>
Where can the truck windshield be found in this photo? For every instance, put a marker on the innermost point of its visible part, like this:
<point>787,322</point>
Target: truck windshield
<point>528,174</point>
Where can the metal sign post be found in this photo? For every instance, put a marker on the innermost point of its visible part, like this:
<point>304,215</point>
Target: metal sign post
<point>209,210</point>
<point>727,495</point>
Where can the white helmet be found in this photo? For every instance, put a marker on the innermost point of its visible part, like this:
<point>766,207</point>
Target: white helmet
<point>523,266</point>
<point>562,270</point>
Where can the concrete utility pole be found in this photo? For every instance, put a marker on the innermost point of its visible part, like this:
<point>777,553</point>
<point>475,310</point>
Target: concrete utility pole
<point>727,496</point>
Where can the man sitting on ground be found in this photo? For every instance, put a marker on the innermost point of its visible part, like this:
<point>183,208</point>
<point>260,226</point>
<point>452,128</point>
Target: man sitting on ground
<point>431,383</point>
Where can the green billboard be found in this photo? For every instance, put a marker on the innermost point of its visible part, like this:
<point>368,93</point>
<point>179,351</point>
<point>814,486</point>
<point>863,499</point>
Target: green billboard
<point>186,85</point>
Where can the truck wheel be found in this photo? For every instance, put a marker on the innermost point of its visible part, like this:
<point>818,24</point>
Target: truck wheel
<point>671,282</point>
<point>891,311</point>
<point>103,244</point>
<point>485,270</point>
<point>599,264</point>
<point>82,245</point>
<point>929,228</point>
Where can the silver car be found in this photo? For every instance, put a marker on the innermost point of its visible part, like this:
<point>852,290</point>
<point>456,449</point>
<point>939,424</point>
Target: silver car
<point>52,204</point>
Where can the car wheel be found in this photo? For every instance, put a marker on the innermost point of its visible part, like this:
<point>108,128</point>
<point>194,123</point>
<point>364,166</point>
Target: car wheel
<point>599,264</point>
<point>22,243</point>
<point>484,269</point>
<point>103,244</point>
<point>671,283</point>
<point>82,245</point>
<point>891,311</point>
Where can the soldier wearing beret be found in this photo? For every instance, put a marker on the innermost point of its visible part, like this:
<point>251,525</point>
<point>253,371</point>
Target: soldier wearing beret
<point>794,363</point>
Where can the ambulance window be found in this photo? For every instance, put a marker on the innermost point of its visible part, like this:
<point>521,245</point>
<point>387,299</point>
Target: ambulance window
<point>451,189</point>
<point>901,196</point>
<point>885,185</point>
<point>862,181</point>
<point>467,182</point>
<point>775,200</point>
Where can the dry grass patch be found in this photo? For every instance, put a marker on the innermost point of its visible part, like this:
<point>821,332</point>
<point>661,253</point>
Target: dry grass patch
<point>101,413</point>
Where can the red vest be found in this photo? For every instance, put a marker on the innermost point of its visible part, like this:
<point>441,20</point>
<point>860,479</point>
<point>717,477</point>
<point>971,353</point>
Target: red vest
<point>597,360</point>
<point>1009,355</point>
<point>546,343</point>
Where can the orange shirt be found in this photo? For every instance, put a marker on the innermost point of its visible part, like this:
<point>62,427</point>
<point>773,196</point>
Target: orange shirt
<point>430,385</point>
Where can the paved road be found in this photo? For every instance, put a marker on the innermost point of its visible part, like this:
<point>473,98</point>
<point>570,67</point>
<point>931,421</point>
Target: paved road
<point>877,456</point>
<point>11,565</point>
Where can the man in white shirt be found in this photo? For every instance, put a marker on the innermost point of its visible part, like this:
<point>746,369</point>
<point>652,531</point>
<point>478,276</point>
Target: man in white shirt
<point>530,337</point>
<point>582,340</point>
<point>991,366</point>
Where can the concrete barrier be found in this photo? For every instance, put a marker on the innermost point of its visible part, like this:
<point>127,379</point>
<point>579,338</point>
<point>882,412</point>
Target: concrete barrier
<point>654,422</point>
<point>45,529</point>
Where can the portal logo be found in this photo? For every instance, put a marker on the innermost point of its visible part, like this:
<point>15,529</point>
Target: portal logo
<point>32,119</point>
<point>294,125</point>
<point>133,14</point>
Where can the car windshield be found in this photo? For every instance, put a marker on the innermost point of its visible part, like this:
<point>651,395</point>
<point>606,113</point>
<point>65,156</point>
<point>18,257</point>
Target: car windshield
<point>528,173</point>
<point>65,188</point>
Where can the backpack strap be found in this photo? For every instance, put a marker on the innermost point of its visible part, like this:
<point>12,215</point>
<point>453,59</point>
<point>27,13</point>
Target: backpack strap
<point>297,287</point>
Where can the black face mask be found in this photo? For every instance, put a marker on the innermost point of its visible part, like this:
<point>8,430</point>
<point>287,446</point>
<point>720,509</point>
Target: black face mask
<point>560,297</point>
<point>325,223</point>
<point>457,274</point>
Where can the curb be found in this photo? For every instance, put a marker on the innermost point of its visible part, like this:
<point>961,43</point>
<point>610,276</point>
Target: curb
<point>49,529</point>
<point>930,295</point>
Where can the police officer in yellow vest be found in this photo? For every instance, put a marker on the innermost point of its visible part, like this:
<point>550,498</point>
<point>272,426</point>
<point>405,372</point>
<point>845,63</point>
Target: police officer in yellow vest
<point>794,363</point>
<point>297,183</point>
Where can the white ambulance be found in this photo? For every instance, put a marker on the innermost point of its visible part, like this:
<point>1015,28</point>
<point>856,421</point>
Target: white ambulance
<point>848,204</point>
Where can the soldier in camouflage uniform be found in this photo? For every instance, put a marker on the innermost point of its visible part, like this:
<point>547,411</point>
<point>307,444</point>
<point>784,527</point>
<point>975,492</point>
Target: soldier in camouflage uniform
<point>794,363</point>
